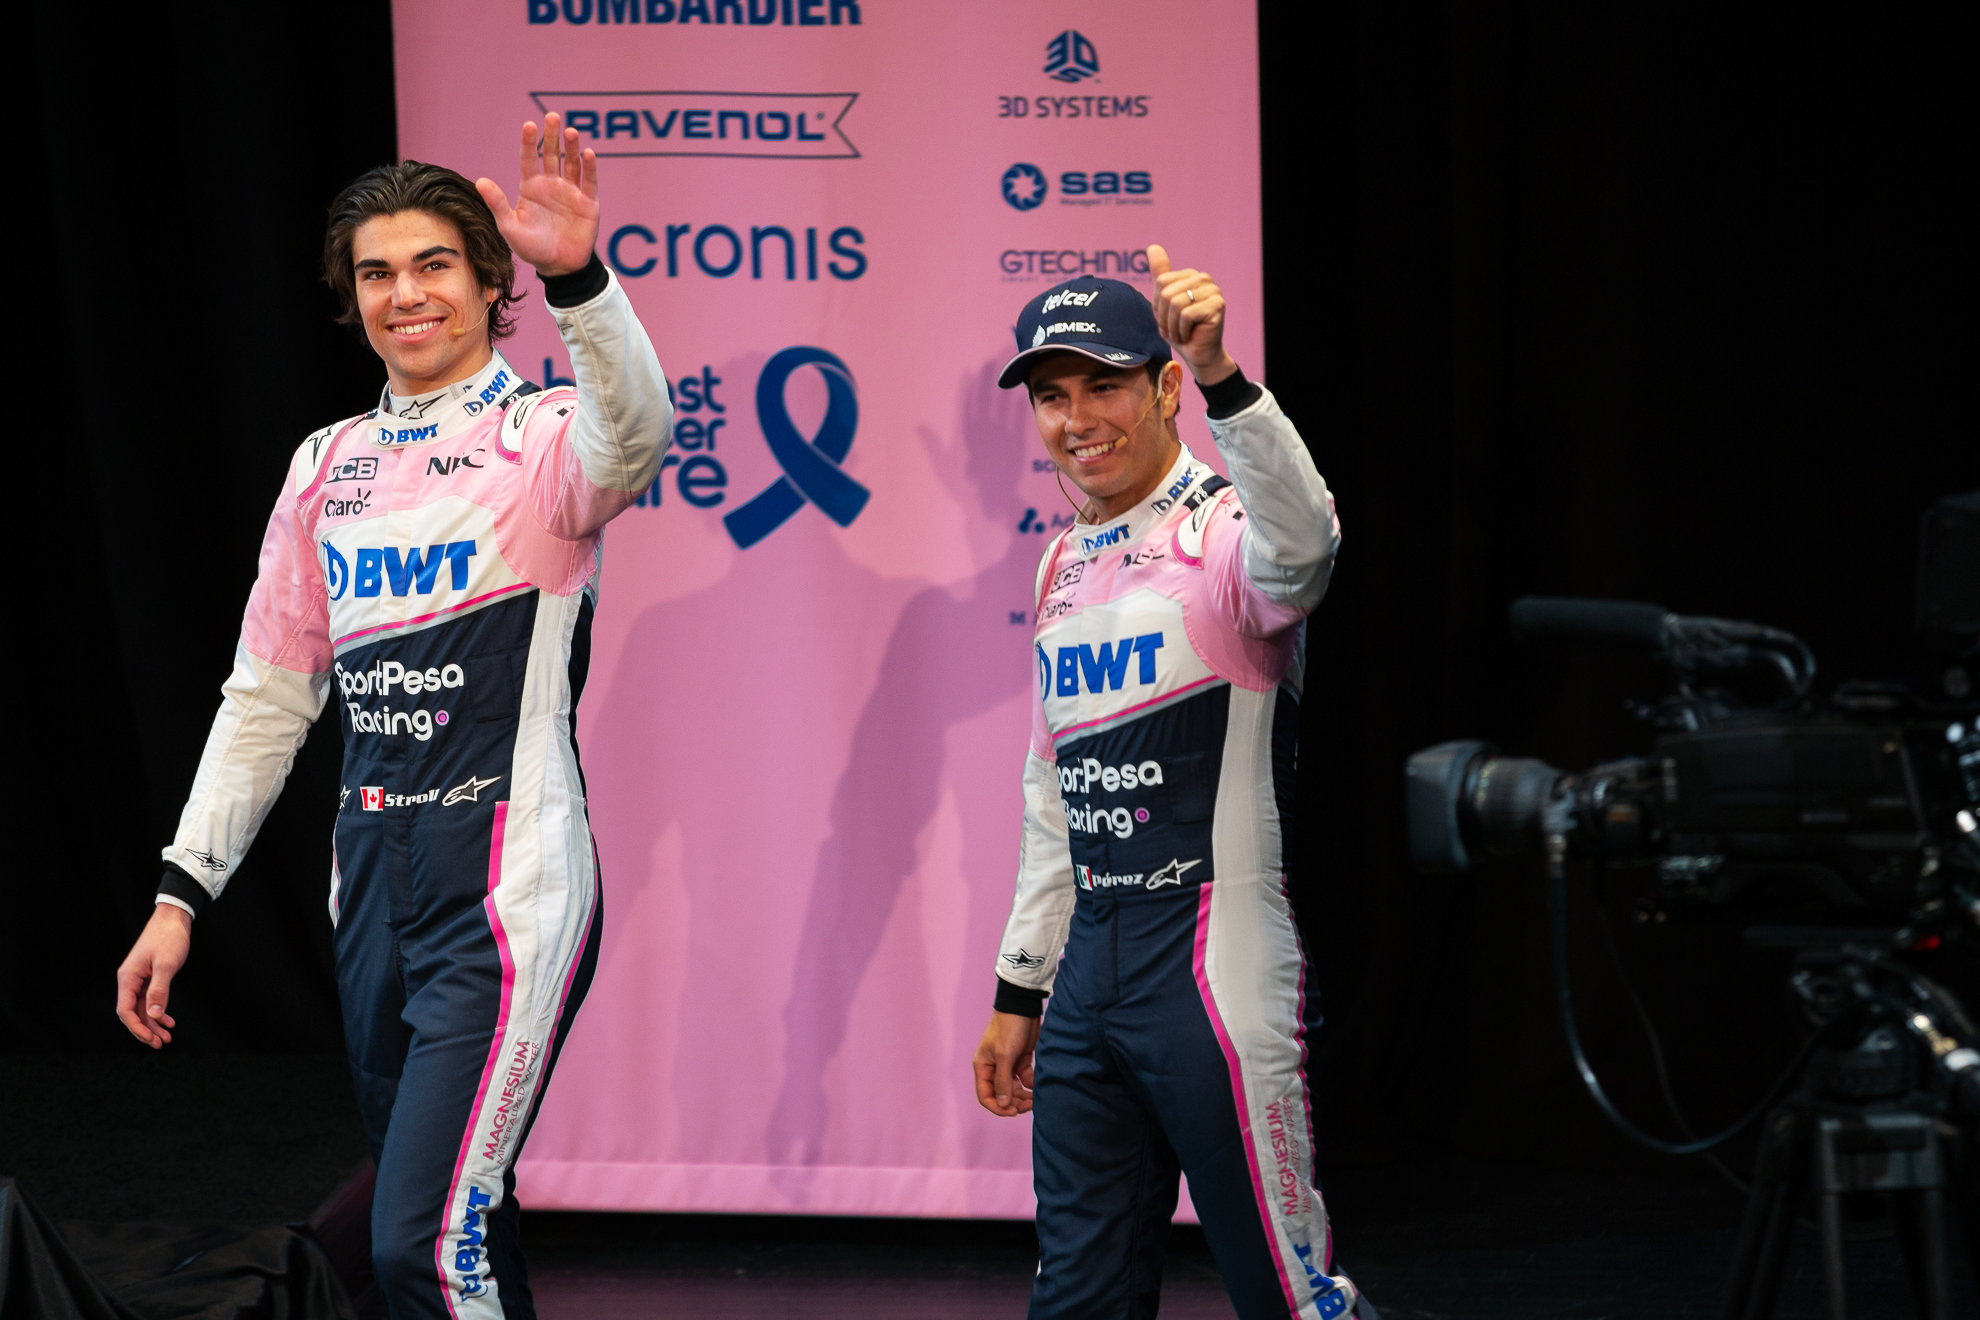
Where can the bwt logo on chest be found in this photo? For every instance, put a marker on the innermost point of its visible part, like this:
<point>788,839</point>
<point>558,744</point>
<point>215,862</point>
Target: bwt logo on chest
<point>404,571</point>
<point>1107,667</point>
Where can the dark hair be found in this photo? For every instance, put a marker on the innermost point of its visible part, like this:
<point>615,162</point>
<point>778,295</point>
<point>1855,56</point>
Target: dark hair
<point>438,191</point>
<point>1153,366</point>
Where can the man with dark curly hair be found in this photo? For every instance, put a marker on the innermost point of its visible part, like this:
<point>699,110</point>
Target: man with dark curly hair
<point>431,569</point>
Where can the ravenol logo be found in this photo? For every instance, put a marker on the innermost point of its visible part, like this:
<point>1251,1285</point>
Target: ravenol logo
<point>378,566</point>
<point>1024,186</point>
<point>770,125</point>
<point>1070,58</point>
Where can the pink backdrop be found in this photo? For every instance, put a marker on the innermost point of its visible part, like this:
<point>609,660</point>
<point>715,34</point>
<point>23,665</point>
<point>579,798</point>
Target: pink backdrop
<point>804,754</point>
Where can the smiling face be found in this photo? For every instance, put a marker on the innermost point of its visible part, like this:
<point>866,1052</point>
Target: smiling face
<point>1110,429</point>
<point>423,310</point>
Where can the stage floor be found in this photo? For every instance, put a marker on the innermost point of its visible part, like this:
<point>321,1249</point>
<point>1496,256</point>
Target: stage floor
<point>261,1140</point>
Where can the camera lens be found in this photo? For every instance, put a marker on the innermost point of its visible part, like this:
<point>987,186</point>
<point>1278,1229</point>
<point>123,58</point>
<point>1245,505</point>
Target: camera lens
<point>1507,793</point>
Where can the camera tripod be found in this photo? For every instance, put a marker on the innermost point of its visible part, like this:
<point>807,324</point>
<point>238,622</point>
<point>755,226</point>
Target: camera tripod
<point>1873,1113</point>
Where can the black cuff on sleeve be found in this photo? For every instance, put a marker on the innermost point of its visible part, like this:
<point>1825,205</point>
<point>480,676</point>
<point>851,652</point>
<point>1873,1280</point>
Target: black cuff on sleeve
<point>177,884</point>
<point>578,287</point>
<point>1231,395</point>
<point>1019,999</point>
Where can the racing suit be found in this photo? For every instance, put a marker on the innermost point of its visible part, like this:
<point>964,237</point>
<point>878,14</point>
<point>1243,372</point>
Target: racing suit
<point>431,567</point>
<point>1151,890</point>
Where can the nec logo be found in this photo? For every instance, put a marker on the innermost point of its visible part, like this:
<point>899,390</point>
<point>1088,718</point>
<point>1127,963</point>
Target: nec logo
<point>1101,540</point>
<point>1069,57</point>
<point>1106,668</point>
<point>439,466</point>
<point>382,566</point>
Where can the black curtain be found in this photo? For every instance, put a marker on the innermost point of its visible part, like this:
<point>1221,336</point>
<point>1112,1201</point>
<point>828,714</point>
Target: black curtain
<point>1604,299</point>
<point>182,159</point>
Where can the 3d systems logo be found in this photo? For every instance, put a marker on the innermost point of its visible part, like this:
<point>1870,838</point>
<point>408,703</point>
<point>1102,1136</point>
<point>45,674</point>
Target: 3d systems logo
<point>1024,186</point>
<point>1070,58</point>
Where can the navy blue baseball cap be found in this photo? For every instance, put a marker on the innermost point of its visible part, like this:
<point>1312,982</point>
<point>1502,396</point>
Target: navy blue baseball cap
<point>1106,320</point>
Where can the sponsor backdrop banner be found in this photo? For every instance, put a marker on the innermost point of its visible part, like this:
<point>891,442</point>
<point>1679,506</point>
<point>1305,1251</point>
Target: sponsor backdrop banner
<point>809,690</point>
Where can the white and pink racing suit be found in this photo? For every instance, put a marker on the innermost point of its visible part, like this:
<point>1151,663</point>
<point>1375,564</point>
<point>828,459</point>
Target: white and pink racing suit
<point>1151,893</point>
<point>431,569</point>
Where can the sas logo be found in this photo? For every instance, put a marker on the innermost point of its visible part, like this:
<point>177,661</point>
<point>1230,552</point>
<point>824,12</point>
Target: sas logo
<point>1105,669</point>
<point>1025,187</point>
<point>765,125</point>
<point>378,566</point>
<point>1071,58</point>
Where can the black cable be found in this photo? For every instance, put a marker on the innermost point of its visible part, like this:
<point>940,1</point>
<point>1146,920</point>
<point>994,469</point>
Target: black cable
<point>1558,912</point>
<point>1663,1076</point>
<point>1650,1035</point>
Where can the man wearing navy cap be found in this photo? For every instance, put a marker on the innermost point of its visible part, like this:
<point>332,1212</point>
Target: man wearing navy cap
<point>1151,893</point>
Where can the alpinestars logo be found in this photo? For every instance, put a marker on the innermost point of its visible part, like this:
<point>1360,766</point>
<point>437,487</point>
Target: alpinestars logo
<point>206,859</point>
<point>1172,873</point>
<point>468,792</point>
<point>1025,960</point>
<point>1070,58</point>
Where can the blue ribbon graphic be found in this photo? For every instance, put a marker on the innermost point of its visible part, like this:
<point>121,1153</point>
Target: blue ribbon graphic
<point>811,467</point>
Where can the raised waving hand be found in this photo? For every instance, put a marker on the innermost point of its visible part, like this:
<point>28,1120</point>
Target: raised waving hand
<point>554,223</point>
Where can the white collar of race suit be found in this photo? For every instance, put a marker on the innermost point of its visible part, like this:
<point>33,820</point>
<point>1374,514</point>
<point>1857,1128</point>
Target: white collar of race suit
<point>1088,539</point>
<point>445,412</point>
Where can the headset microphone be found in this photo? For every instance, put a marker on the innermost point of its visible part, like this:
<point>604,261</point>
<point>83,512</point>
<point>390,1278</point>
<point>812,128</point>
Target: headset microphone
<point>458,331</point>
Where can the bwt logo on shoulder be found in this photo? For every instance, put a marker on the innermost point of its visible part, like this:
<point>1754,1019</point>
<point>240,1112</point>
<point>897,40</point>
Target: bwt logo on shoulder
<point>403,571</point>
<point>1071,58</point>
<point>1107,667</point>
